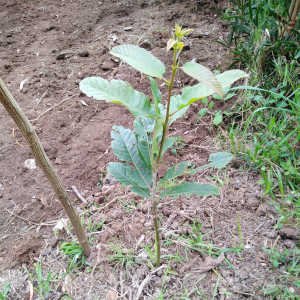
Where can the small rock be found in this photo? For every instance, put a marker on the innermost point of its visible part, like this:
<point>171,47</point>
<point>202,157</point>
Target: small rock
<point>84,53</point>
<point>107,65</point>
<point>146,44</point>
<point>128,28</point>
<point>289,232</point>
<point>30,164</point>
<point>252,203</point>
<point>289,244</point>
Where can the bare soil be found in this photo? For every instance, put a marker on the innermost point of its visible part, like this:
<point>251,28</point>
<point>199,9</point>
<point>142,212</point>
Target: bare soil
<point>46,48</point>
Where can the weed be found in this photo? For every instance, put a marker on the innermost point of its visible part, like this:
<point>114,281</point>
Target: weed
<point>4,293</point>
<point>42,282</point>
<point>141,150</point>
<point>74,251</point>
<point>122,256</point>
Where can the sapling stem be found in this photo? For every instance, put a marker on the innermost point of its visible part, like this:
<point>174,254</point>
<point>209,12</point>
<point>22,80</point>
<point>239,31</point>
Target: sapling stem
<point>14,110</point>
<point>155,197</point>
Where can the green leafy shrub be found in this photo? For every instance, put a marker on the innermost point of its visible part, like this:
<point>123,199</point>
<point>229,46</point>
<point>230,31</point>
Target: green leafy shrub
<point>142,148</point>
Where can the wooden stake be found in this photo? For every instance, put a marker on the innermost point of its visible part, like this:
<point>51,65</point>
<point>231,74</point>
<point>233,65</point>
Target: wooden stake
<point>14,110</point>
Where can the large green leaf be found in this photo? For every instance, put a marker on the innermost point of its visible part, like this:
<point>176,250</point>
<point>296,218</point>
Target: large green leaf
<point>126,175</point>
<point>220,160</point>
<point>169,143</point>
<point>117,91</point>
<point>227,78</point>
<point>179,169</point>
<point>125,147</point>
<point>190,188</point>
<point>203,75</point>
<point>196,92</point>
<point>143,127</point>
<point>140,59</point>
<point>178,108</point>
<point>199,91</point>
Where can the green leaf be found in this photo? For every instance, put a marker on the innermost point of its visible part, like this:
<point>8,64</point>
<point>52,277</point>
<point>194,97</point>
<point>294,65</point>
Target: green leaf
<point>218,118</point>
<point>203,75</point>
<point>179,169</point>
<point>143,127</point>
<point>190,188</point>
<point>128,177</point>
<point>156,94</point>
<point>227,78</point>
<point>140,59</point>
<point>125,147</point>
<point>202,90</point>
<point>169,143</point>
<point>202,112</point>
<point>117,91</point>
<point>178,108</point>
<point>220,160</point>
<point>196,92</point>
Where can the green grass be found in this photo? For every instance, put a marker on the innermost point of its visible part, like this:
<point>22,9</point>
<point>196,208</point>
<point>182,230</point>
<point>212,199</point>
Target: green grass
<point>122,256</point>
<point>75,254</point>
<point>4,292</point>
<point>42,282</point>
<point>264,124</point>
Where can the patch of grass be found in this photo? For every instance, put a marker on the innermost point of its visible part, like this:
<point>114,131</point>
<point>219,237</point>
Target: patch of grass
<point>122,256</point>
<point>4,292</point>
<point>42,282</point>
<point>264,125</point>
<point>195,241</point>
<point>74,252</point>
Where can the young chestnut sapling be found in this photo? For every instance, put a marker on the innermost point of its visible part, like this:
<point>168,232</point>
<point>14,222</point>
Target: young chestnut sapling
<point>142,148</point>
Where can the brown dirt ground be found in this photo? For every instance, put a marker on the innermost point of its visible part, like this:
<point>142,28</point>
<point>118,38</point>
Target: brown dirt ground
<point>47,47</point>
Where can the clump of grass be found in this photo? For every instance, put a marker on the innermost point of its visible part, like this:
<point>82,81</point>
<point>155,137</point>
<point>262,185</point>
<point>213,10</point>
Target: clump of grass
<point>264,125</point>
<point>4,292</point>
<point>122,256</point>
<point>41,281</point>
<point>75,253</point>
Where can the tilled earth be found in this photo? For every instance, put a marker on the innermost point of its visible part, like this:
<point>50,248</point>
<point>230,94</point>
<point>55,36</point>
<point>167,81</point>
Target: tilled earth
<point>46,48</point>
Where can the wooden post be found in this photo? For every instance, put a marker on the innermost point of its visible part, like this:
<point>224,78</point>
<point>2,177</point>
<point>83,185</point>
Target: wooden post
<point>14,110</point>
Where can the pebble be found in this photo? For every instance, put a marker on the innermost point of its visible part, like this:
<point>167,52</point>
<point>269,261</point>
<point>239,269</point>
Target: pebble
<point>107,65</point>
<point>289,232</point>
<point>30,164</point>
<point>84,53</point>
<point>146,44</point>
